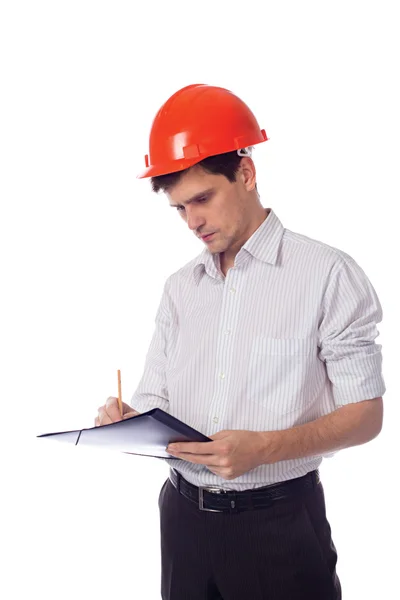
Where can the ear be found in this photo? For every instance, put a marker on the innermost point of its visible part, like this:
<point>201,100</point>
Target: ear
<point>247,173</point>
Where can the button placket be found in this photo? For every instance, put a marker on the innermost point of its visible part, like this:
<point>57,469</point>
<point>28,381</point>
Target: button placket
<point>225,348</point>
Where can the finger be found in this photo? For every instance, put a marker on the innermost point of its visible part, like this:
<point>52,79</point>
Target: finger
<point>219,473</point>
<point>128,415</point>
<point>200,459</point>
<point>112,409</point>
<point>103,417</point>
<point>97,422</point>
<point>215,471</point>
<point>200,448</point>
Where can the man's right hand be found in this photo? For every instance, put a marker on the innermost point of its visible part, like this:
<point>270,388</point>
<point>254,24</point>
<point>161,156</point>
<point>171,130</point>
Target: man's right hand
<point>109,413</point>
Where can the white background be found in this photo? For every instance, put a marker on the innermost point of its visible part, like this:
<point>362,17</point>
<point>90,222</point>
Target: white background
<point>86,248</point>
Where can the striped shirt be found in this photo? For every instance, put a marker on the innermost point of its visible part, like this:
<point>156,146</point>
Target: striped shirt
<point>285,338</point>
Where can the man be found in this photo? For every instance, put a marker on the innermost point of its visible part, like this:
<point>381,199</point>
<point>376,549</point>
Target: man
<point>265,343</point>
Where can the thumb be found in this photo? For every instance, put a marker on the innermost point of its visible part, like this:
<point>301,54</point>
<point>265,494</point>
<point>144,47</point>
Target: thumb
<point>218,436</point>
<point>126,408</point>
<point>128,415</point>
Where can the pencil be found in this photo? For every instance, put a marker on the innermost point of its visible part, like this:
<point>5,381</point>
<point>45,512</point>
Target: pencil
<point>119,393</point>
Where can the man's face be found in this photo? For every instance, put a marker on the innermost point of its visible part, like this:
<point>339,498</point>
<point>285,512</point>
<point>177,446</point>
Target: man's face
<point>210,204</point>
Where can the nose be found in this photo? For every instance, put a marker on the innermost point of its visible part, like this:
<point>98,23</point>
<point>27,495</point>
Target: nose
<point>194,221</point>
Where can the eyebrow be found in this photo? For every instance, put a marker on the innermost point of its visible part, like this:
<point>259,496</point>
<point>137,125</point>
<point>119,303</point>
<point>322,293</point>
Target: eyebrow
<point>194,198</point>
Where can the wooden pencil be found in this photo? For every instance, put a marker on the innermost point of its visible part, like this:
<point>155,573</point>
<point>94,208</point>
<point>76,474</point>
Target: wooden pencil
<point>119,393</point>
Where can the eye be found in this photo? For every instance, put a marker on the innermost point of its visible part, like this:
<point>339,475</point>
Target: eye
<point>198,201</point>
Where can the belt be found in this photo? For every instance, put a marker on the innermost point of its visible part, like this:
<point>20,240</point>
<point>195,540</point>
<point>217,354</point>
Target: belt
<point>214,499</point>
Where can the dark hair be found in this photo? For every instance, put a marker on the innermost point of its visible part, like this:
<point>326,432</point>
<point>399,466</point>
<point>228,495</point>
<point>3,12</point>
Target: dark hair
<point>221,164</point>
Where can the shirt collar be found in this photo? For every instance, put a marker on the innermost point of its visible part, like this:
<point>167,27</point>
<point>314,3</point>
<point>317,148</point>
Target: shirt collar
<point>262,245</point>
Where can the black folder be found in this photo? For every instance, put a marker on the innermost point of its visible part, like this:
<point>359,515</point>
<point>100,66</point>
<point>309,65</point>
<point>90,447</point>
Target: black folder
<point>147,434</point>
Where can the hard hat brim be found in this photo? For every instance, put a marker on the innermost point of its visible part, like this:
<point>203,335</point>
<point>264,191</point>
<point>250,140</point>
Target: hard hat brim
<point>173,167</point>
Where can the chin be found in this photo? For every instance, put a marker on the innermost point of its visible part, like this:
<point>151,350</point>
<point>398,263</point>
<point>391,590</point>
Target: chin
<point>217,249</point>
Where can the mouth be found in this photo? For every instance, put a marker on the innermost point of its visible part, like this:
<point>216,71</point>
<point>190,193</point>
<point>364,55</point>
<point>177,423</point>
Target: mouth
<point>208,237</point>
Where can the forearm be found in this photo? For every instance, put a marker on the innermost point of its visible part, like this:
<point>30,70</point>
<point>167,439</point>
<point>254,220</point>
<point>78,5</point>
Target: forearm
<point>350,425</point>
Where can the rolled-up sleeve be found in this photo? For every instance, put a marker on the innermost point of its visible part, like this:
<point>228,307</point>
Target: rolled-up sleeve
<point>347,333</point>
<point>152,390</point>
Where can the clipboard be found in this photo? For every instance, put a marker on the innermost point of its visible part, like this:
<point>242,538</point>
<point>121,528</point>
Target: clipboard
<point>147,434</point>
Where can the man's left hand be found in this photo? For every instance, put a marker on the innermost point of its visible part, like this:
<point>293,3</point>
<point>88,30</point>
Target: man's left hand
<point>231,453</point>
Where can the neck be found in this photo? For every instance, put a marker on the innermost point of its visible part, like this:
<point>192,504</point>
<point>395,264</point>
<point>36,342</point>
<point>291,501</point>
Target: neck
<point>227,259</point>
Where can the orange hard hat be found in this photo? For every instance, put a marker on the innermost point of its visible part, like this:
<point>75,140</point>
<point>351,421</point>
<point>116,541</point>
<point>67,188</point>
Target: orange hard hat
<point>196,122</point>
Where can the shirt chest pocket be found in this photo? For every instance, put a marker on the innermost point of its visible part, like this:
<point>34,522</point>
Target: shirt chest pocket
<point>281,375</point>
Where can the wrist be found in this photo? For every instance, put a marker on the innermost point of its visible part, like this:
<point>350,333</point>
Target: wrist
<point>271,444</point>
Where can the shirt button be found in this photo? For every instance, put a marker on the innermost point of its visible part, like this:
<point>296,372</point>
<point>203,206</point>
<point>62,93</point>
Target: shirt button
<point>215,419</point>
<point>222,375</point>
<point>227,332</point>
<point>232,290</point>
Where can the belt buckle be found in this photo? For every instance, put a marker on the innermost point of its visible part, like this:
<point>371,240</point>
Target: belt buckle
<point>217,490</point>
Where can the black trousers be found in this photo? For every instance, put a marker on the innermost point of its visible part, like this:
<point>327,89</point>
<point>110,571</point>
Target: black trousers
<point>283,552</point>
